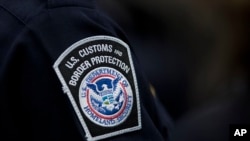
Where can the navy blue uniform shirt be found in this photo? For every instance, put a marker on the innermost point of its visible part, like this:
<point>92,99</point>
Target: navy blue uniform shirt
<point>45,45</point>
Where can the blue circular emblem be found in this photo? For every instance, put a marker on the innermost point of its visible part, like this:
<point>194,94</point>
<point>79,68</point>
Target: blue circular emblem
<point>106,97</point>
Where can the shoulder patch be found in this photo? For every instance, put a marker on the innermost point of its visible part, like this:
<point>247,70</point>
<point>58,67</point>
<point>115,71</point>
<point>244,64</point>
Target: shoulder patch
<point>98,75</point>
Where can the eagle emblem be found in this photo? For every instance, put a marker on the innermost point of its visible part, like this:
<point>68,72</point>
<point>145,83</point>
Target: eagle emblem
<point>106,95</point>
<point>98,75</point>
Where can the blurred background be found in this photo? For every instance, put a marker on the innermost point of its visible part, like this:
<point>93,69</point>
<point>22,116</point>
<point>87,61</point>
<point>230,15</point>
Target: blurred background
<point>194,52</point>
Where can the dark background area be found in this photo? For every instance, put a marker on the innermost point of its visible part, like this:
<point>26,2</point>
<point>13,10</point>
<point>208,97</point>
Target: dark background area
<point>194,52</point>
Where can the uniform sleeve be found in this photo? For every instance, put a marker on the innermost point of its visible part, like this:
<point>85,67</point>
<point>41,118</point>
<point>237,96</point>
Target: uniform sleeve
<point>88,96</point>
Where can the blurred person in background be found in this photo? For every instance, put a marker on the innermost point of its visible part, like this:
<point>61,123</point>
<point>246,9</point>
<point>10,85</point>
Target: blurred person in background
<point>155,27</point>
<point>219,91</point>
<point>196,54</point>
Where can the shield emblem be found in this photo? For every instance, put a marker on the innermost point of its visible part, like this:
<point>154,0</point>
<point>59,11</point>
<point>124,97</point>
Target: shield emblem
<point>97,74</point>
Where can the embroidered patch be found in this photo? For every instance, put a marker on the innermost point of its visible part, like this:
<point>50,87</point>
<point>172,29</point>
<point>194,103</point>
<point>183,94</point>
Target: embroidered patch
<point>98,75</point>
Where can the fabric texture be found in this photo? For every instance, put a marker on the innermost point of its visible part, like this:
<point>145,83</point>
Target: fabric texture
<point>33,33</point>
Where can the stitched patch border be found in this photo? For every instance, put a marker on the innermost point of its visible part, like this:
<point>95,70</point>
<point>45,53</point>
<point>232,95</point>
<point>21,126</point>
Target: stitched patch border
<point>98,76</point>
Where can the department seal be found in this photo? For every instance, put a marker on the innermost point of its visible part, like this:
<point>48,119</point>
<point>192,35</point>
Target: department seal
<point>106,97</point>
<point>98,76</point>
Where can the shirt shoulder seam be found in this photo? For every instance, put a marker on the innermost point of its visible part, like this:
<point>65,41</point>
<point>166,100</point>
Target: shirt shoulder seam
<point>13,14</point>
